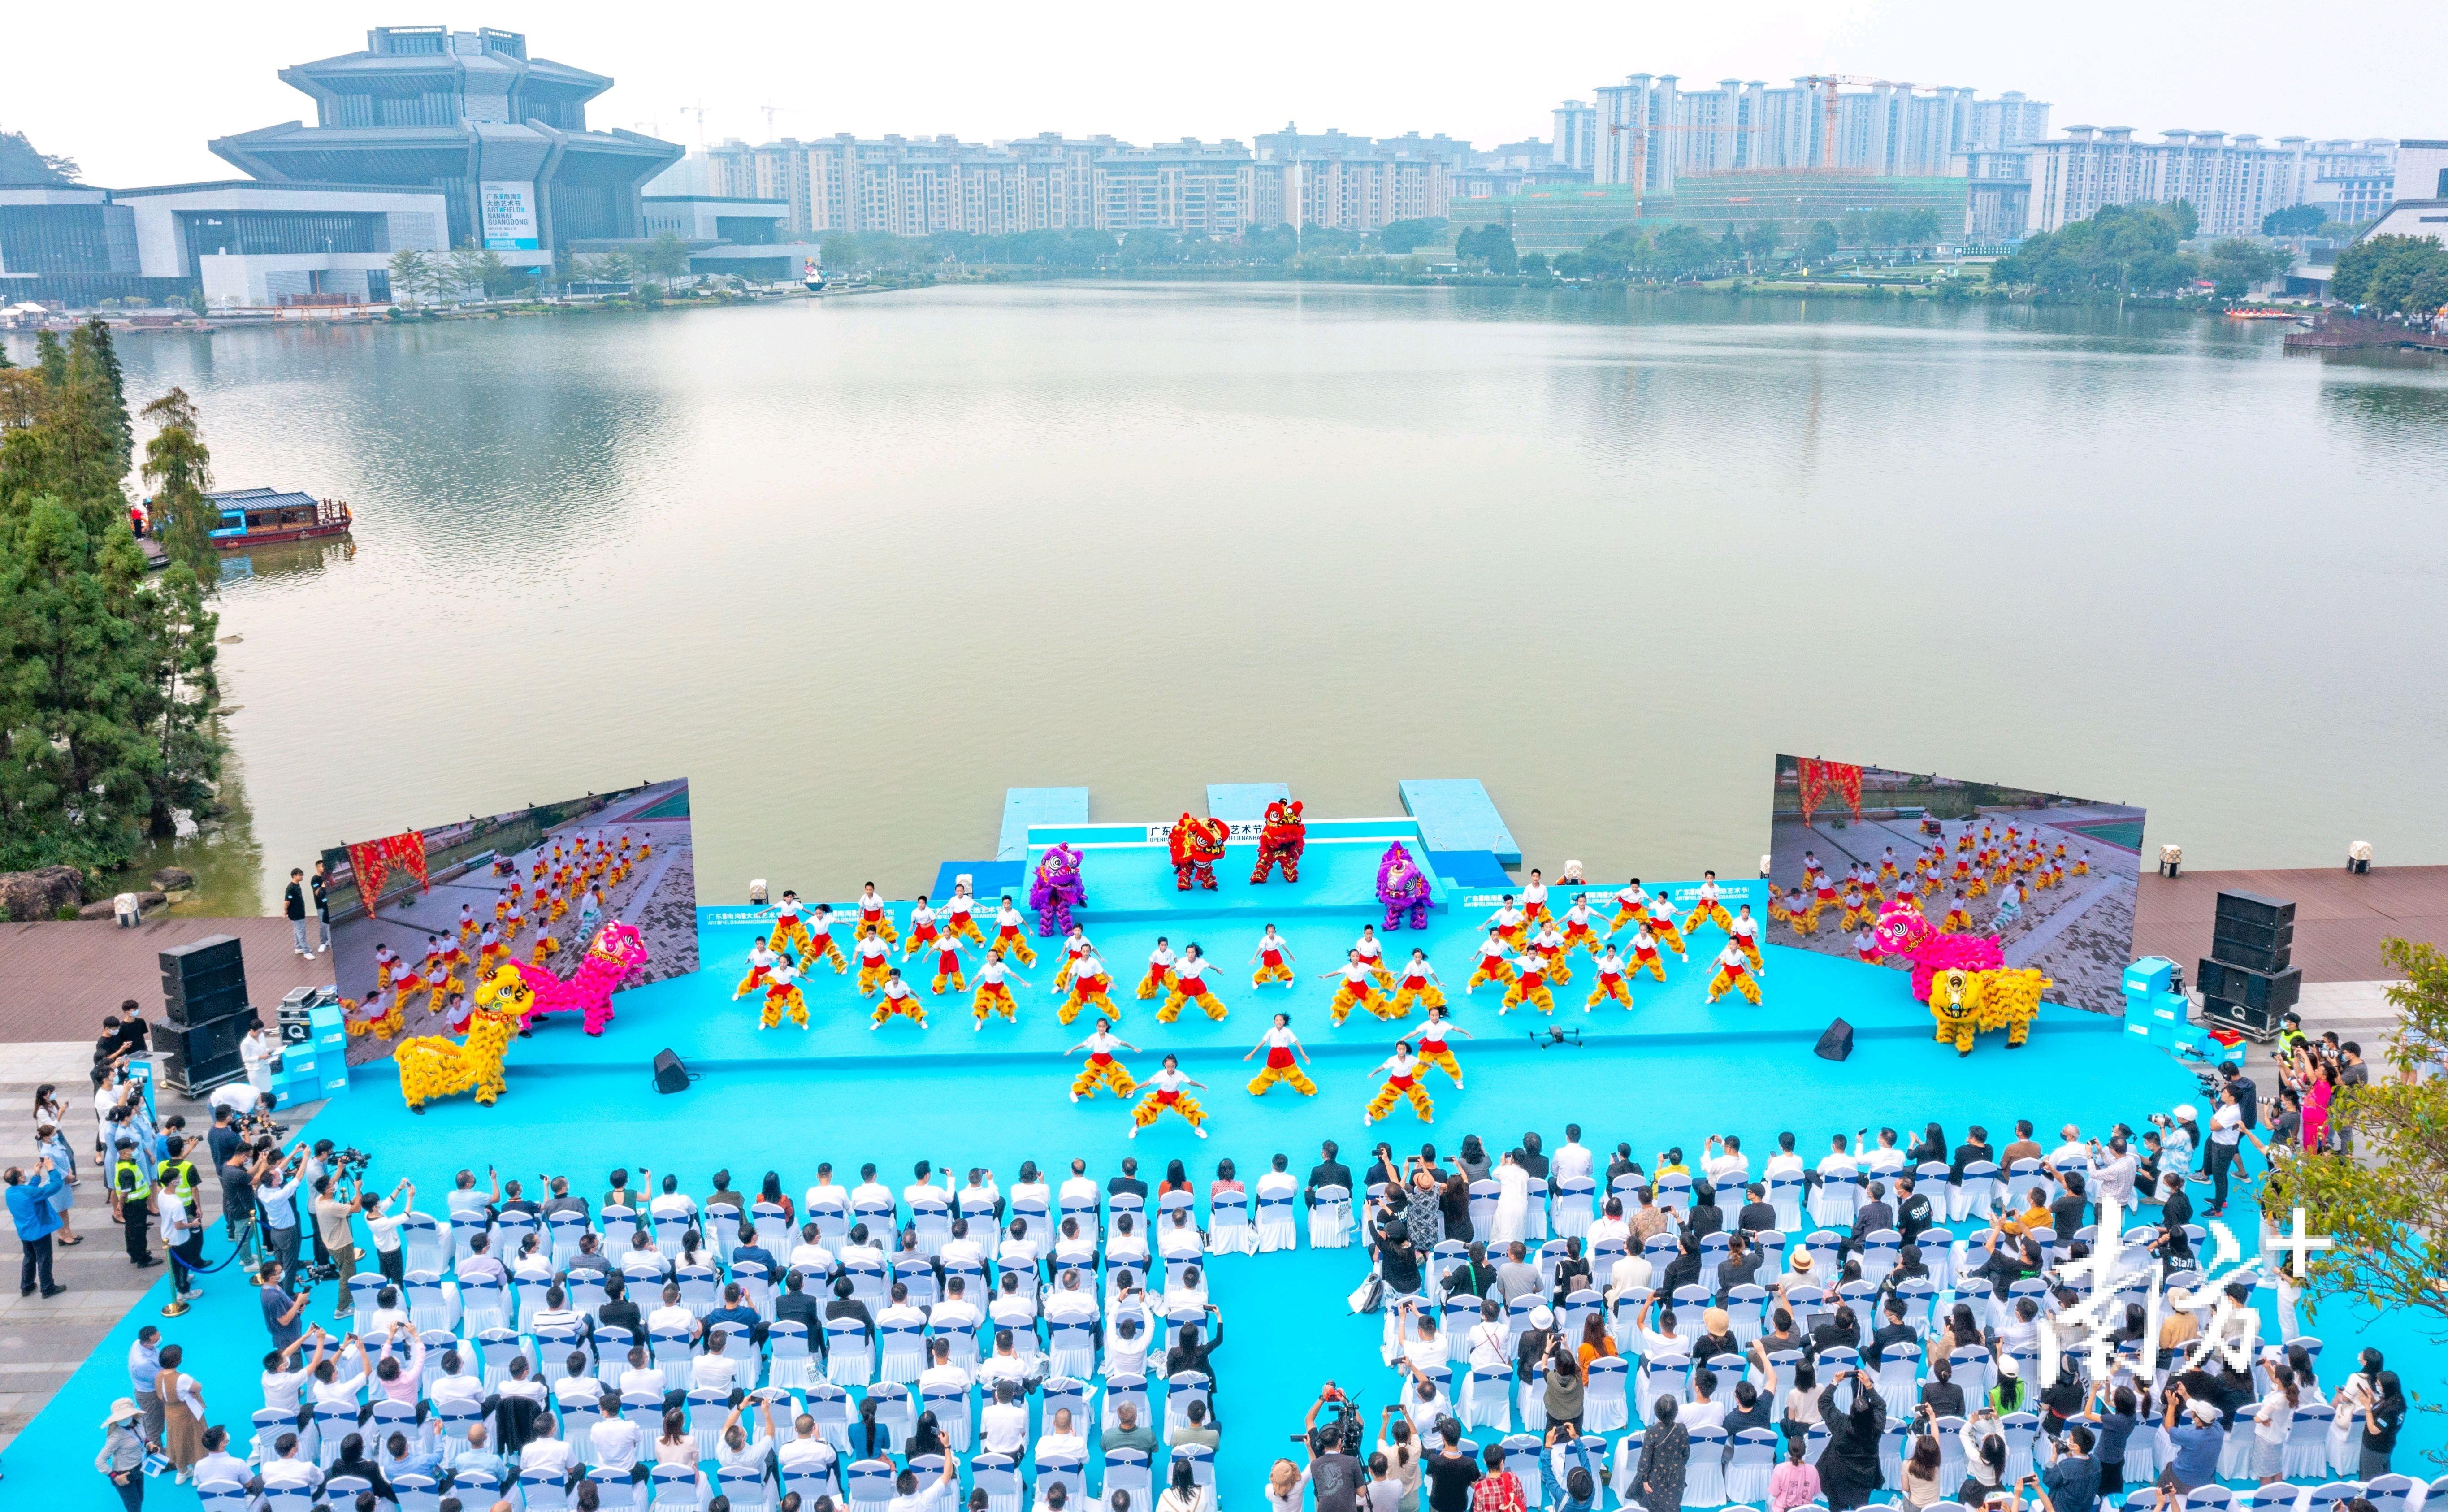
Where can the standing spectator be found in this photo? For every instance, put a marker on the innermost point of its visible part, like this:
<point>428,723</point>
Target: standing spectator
<point>281,1309</point>
<point>1665,1453</point>
<point>30,1209</point>
<point>384,1225</point>
<point>182,1413</point>
<point>143,1376</point>
<point>234,1167</point>
<point>276,1198</point>
<point>183,1237</point>
<point>255,1053</point>
<point>323,885</point>
<point>334,1207</point>
<point>123,1454</point>
<point>292,904</point>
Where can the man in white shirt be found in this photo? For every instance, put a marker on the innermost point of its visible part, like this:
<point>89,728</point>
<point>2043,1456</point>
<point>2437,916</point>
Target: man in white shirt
<point>556,1312</point>
<point>1725,1163</point>
<point>1004,1368</point>
<point>715,1370</point>
<point>286,1471</point>
<point>1070,1302</point>
<point>1002,1427</point>
<point>1704,1410</point>
<point>961,1252</point>
<point>956,1313</point>
<point>859,1250</point>
<point>806,1453</point>
<point>1062,1440</point>
<point>1572,1158</point>
<point>455,1383</point>
<point>640,1377</point>
<point>330,1388</point>
<point>1019,1250</point>
<point>549,1455</point>
<point>2071,1152</point>
<point>521,1384</point>
<point>285,1374</point>
<point>900,1312</point>
<point>924,1189</point>
<point>827,1193</point>
<point>810,1256</point>
<point>941,1373</point>
<point>1078,1186</point>
<point>672,1203</point>
<point>577,1390</point>
<point>616,1443</point>
<point>1610,1224</point>
<point>935,1496</point>
<point>672,1317</point>
<point>218,1464</point>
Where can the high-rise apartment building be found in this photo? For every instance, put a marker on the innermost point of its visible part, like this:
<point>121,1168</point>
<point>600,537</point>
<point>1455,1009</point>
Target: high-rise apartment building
<point>2230,181</point>
<point>501,137</point>
<point>1574,144</point>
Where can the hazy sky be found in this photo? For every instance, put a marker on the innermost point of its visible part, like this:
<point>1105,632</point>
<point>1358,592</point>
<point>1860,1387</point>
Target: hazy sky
<point>133,91</point>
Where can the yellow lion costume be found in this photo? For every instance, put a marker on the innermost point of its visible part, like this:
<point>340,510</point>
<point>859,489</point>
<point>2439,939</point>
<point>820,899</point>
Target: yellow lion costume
<point>435,1067</point>
<point>1964,1003</point>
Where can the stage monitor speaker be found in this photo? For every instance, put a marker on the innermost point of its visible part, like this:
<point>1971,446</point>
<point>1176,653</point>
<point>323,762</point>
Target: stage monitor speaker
<point>2254,909</point>
<point>203,980</point>
<point>197,1057</point>
<point>671,1074</point>
<point>2261,1024</point>
<point>1836,1043</point>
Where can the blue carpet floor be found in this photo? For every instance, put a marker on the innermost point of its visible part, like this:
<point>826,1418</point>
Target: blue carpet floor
<point>1672,1072</point>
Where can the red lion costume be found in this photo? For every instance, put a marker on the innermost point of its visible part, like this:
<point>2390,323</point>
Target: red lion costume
<point>1197,845</point>
<point>1281,841</point>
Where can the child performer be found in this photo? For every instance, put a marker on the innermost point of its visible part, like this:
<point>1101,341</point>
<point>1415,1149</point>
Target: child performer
<point>820,946</point>
<point>2081,867</point>
<point>385,966</point>
<point>1630,905</point>
<point>1492,965</point>
<point>1822,897</point>
<point>1433,1049</point>
<point>1549,943</point>
<point>782,996</point>
<point>922,927</point>
<point>546,946</point>
<point>1089,984</point>
<point>1533,900</point>
<point>1735,972</point>
<point>1420,985</point>
<point>873,914</point>
<point>374,1016</point>
<point>1075,945</point>
<point>1661,924</point>
<point>1746,936</point>
<point>466,923</point>
<point>502,903</point>
<point>1866,946</point>
<point>1610,987</point>
<point>1402,1081</point>
<point>1165,1090</point>
<point>1158,980</point>
<point>1008,938</point>
<point>1102,1070</point>
<point>898,1000</point>
<point>790,936</point>
<point>1578,932</point>
<point>1283,1054</point>
<point>1707,909</point>
<point>515,921</point>
<point>1274,960</point>
<point>1190,986</point>
<point>1359,989</point>
<point>948,976</point>
<point>994,990</point>
<point>1374,954</point>
<point>960,916</point>
<point>1887,872</point>
<point>1531,986</point>
<point>489,949</point>
<point>1509,923</point>
<point>1957,918</point>
<point>872,960</point>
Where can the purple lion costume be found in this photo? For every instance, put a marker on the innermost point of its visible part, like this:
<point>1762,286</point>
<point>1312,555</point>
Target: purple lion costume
<point>1055,890</point>
<point>1401,886</point>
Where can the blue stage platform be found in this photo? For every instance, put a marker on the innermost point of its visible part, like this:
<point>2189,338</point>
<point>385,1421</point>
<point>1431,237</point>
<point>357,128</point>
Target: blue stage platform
<point>1023,807</point>
<point>1243,802</point>
<point>1456,814</point>
<point>1672,1071</point>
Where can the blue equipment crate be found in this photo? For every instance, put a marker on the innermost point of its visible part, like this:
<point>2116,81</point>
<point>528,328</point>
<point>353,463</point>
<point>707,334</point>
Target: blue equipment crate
<point>2149,974</point>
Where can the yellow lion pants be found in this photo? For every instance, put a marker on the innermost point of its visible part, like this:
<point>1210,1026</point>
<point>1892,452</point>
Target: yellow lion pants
<point>1805,922</point>
<point>1207,1003</point>
<point>1270,973</point>
<point>1490,970</point>
<point>1855,916</point>
<point>1152,1107</point>
<point>1980,888</point>
<point>787,1001</point>
<point>1750,948</point>
<point>1441,1057</point>
<point>1290,1076</point>
<point>1063,972</point>
<point>952,981</point>
<point>1389,1094</point>
<point>1652,963</point>
<point>1102,1073</point>
<point>2080,869</point>
<point>1156,983</point>
<point>826,952</point>
<point>967,929</point>
<point>1745,983</point>
<point>1955,921</point>
<point>1077,1000</point>
<point>1557,971</point>
<point>993,997</point>
<point>917,942</point>
<point>1668,936</point>
<point>1623,917</point>
<point>747,984</point>
<point>883,930</point>
<point>871,977</point>
<point>1350,995</point>
<point>1712,913</point>
<point>1540,997</point>
<point>1610,989</point>
<point>1425,998</point>
<point>1956,1029</point>
<point>901,1008</point>
<point>1017,948</point>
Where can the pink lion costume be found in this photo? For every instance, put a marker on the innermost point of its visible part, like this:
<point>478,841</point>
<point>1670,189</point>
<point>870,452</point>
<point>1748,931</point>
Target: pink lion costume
<point>1402,888</point>
<point>616,960</point>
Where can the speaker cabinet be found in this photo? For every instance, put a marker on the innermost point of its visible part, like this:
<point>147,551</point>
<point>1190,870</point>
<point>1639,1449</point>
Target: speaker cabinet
<point>197,1057</point>
<point>203,980</point>
<point>2252,908</point>
<point>2276,991</point>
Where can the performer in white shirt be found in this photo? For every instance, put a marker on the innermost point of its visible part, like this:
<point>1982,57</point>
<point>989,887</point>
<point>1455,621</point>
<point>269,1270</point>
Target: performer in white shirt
<point>1158,980</point>
<point>1549,943</point>
<point>874,960</point>
<point>782,996</point>
<point>960,914</point>
<point>1359,989</point>
<point>760,961</point>
<point>1168,1089</point>
<point>1706,909</point>
<point>1510,923</point>
<point>1074,945</point>
<point>994,990</point>
<point>874,914</point>
<point>1190,986</point>
<point>1735,972</point>
<point>1419,985</point>
<point>1492,965</point>
<point>1090,986</point>
<point>900,1001</point>
<point>948,975</point>
<point>1102,1070</point>
<point>1401,1071</point>
<point>1283,1054</point>
<point>821,944</point>
<point>1433,1049</point>
<point>1610,987</point>
<point>1661,924</point>
<point>1631,906</point>
<point>1745,931</point>
<point>1530,987</point>
<point>1580,931</point>
<point>1373,952</point>
<point>1010,938</point>
<point>1274,958</point>
<point>922,927</point>
<point>790,936</point>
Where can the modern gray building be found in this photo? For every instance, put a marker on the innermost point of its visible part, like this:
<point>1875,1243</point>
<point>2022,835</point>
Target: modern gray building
<point>501,137</point>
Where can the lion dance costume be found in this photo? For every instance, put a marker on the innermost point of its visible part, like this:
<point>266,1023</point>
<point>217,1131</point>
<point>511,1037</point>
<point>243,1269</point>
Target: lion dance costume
<point>1055,890</point>
<point>1964,978</point>
<point>1197,846</point>
<point>1402,888</point>
<point>1281,842</point>
<point>434,1066</point>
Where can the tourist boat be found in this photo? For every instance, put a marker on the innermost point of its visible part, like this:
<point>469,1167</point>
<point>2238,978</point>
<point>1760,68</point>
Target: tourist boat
<point>813,277</point>
<point>253,517</point>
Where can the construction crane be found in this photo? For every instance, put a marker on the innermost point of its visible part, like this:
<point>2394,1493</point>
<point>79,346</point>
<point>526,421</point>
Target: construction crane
<point>1639,149</point>
<point>1828,105</point>
<point>771,111</point>
<point>698,111</point>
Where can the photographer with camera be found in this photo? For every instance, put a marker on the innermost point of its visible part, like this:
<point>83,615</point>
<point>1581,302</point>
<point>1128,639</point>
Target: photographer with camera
<point>1333,1471</point>
<point>334,1207</point>
<point>273,1179</point>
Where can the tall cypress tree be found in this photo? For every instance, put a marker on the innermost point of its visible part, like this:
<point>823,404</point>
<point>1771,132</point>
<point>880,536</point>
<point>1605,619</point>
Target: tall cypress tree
<point>180,470</point>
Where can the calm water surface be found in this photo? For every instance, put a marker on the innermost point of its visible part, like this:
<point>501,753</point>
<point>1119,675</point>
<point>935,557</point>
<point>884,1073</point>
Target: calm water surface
<point>856,565</point>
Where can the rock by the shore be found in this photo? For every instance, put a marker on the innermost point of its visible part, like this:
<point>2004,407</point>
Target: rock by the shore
<point>40,894</point>
<point>173,879</point>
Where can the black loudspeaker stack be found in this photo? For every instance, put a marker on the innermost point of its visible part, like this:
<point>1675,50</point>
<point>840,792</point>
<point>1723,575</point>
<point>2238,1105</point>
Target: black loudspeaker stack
<point>204,993</point>
<point>2248,981</point>
<point>1836,1043</point>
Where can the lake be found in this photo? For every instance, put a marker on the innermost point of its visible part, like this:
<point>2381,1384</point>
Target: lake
<point>854,565</point>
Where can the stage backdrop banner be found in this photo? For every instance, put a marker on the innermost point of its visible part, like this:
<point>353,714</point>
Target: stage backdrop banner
<point>406,891</point>
<point>2066,907</point>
